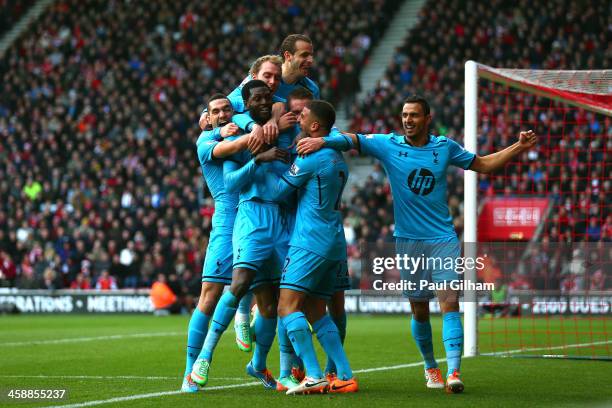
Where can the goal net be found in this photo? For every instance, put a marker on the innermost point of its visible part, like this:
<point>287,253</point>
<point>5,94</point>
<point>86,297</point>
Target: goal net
<point>543,223</point>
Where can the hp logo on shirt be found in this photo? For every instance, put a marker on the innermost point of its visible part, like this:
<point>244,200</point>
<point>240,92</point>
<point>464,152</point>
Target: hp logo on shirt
<point>421,181</point>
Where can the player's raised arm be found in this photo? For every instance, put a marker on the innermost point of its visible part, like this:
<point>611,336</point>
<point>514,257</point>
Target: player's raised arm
<point>495,161</point>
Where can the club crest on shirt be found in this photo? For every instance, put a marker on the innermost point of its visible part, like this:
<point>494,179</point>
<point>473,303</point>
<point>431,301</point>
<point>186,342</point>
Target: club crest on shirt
<point>435,157</point>
<point>294,170</point>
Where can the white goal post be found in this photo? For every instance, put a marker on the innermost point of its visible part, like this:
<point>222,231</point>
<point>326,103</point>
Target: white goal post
<point>590,90</point>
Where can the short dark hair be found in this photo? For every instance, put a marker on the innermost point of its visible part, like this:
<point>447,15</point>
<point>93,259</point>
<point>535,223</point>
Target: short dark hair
<point>420,100</point>
<point>246,88</point>
<point>214,98</point>
<point>288,43</point>
<point>299,93</point>
<point>324,112</point>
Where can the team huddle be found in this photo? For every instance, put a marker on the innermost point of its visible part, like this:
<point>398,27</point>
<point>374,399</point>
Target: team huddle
<point>272,160</point>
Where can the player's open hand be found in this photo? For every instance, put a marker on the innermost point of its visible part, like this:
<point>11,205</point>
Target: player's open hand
<point>286,121</point>
<point>203,120</point>
<point>274,153</point>
<point>528,139</point>
<point>256,140</point>
<point>309,145</point>
<point>270,131</point>
<point>231,129</point>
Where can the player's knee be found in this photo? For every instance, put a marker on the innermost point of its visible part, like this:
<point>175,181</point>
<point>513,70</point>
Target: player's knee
<point>208,303</point>
<point>239,287</point>
<point>268,311</point>
<point>336,305</point>
<point>284,309</point>
<point>241,282</point>
<point>420,310</point>
<point>449,306</point>
<point>209,297</point>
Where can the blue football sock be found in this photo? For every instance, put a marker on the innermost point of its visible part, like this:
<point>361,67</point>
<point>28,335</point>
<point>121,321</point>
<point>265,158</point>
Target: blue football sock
<point>452,335</point>
<point>340,322</point>
<point>265,330</point>
<point>301,338</point>
<point>224,312</point>
<point>328,336</point>
<point>244,308</point>
<point>196,332</point>
<point>421,332</point>
<point>287,355</point>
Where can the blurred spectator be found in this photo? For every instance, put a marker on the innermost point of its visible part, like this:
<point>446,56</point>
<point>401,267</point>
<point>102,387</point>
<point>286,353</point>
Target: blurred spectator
<point>163,299</point>
<point>8,270</point>
<point>50,280</point>
<point>81,282</point>
<point>106,281</point>
<point>28,280</point>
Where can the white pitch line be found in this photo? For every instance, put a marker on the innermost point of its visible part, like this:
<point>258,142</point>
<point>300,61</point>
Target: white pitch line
<point>578,345</point>
<point>222,387</point>
<point>151,395</point>
<point>395,367</point>
<point>113,377</point>
<point>85,339</point>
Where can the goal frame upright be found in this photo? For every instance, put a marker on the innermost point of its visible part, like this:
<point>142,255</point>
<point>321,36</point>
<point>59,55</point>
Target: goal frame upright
<point>590,90</point>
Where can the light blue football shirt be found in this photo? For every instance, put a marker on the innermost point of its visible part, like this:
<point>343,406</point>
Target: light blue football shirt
<point>418,181</point>
<point>320,179</point>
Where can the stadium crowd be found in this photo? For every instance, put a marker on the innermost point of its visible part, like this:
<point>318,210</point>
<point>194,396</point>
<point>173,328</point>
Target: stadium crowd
<point>11,11</point>
<point>99,186</point>
<point>570,164</point>
<point>99,181</point>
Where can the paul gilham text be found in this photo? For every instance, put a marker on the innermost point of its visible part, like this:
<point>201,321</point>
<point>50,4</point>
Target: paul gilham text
<point>425,284</point>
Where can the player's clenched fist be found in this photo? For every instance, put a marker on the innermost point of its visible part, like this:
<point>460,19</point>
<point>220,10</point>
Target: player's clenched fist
<point>528,139</point>
<point>231,129</point>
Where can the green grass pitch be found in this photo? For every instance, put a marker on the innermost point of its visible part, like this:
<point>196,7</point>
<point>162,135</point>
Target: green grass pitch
<point>122,358</point>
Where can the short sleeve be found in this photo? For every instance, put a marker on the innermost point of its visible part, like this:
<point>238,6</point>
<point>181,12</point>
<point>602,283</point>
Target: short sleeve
<point>301,170</point>
<point>458,156</point>
<point>373,144</point>
<point>205,149</point>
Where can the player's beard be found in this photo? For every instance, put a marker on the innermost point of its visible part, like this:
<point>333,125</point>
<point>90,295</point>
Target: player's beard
<point>260,117</point>
<point>295,67</point>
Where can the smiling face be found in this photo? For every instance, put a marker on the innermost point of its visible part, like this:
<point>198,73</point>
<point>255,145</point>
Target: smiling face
<point>297,105</point>
<point>308,121</point>
<point>415,122</point>
<point>259,104</point>
<point>270,73</point>
<point>302,59</point>
<point>219,112</point>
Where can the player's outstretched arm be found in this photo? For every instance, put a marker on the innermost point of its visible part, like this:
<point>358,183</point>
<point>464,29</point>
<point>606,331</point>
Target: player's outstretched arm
<point>336,140</point>
<point>227,147</point>
<point>495,161</point>
<point>283,185</point>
